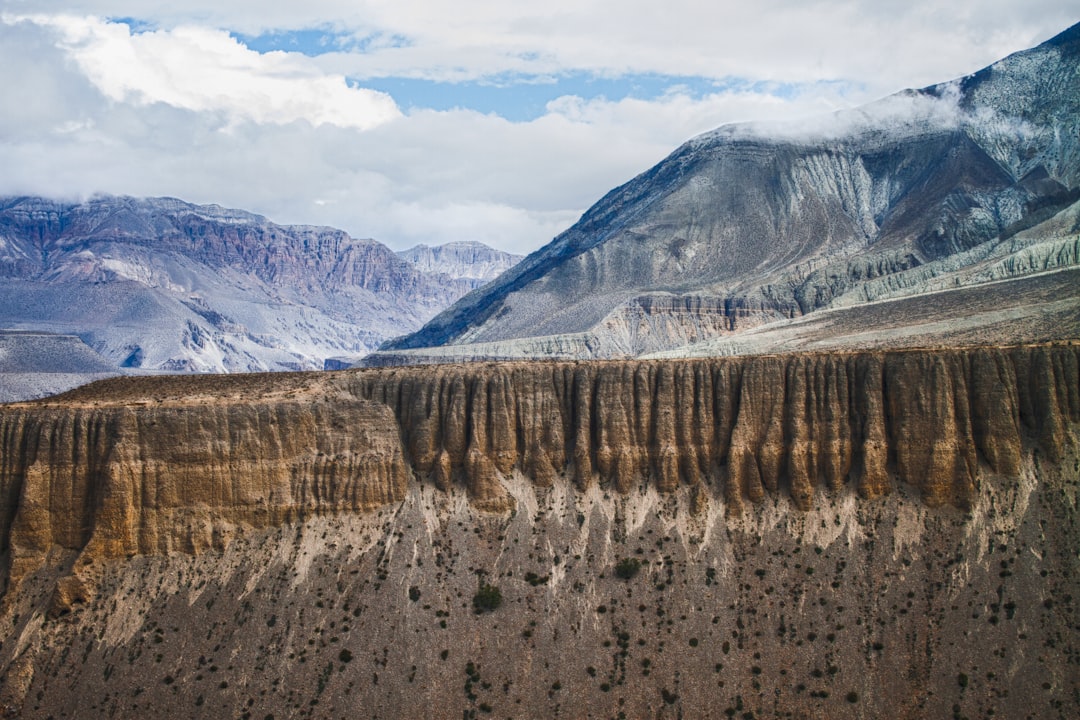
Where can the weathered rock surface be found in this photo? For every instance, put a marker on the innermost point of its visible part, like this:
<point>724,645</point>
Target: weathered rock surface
<point>841,535</point>
<point>471,261</point>
<point>954,185</point>
<point>115,481</point>
<point>160,284</point>
<point>743,426</point>
<point>114,469</point>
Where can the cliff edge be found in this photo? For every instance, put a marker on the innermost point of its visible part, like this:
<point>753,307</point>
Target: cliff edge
<point>154,465</point>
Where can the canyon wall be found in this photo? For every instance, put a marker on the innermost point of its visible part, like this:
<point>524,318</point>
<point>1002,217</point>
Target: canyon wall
<point>120,480</point>
<point>737,427</point>
<point>844,536</point>
<point>148,466</point>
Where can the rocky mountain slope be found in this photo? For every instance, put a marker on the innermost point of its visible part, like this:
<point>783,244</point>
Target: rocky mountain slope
<point>465,260</point>
<point>40,364</point>
<point>972,181</point>
<point>841,535</point>
<point>161,284</point>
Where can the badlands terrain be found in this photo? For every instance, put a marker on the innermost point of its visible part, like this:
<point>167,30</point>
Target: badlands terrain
<point>806,535</point>
<point>786,426</point>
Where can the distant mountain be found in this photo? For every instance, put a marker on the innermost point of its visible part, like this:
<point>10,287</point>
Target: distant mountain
<point>162,284</point>
<point>957,185</point>
<point>38,364</point>
<point>466,260</point>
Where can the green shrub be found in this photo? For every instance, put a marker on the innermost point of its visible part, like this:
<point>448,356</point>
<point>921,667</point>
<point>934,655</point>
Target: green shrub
<point>487,598</point>
<point>627,568</point>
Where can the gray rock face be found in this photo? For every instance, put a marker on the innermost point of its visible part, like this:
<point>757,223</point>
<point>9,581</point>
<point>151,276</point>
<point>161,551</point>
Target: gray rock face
<point>164,285</point>
<point>471,261</point>
<point>753,224</point>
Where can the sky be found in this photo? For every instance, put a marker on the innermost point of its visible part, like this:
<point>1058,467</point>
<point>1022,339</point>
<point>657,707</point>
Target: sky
<point>427,121</point>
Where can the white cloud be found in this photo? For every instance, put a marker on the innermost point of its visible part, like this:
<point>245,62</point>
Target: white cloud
<point>206,70</point>
<point>92,106</point>
<point>885,45</point>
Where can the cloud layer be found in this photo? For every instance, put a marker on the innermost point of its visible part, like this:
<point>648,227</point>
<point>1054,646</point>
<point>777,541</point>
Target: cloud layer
<point>208,71</point>
<point>170,102</point>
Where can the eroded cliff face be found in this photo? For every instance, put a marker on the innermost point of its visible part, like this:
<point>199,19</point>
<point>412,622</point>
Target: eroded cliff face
<point>839,535</point>
<point>117,481</point>
<point>153,471</point>
<point>737,427</point>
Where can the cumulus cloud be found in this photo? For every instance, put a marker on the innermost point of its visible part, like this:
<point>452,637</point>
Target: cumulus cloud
<point>207,70</point>
<point>176,105</point>
<point>885,45</point>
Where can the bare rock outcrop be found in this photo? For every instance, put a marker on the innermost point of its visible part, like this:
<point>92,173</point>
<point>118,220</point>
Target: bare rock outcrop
<point>123,480</point>
<point>219,546</point>
<point>158,465</point>
<point>798,424</point>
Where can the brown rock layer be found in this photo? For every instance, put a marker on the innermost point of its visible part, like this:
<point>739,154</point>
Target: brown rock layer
<point>109,472</point>
<point>122,480</point>
<point>798,424</point>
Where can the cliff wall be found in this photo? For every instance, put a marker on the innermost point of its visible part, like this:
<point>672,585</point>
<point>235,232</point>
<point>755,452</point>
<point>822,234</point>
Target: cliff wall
<point>737,427</point>
<point>123,480</point>
<point>256,545</point>
<point>154,465</point>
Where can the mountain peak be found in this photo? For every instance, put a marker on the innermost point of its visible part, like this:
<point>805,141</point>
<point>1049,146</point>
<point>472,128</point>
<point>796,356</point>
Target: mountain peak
<point>160,284</point>
<point>753,224</point>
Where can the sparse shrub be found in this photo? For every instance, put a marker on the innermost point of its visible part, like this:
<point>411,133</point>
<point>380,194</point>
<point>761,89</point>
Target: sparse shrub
<point>487,598</point>
<point>414,593</point>
<point>345,656</point>
<point>627,568</point>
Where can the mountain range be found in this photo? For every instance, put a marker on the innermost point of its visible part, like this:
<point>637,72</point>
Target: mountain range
<point>832,533</point>
<point>945,215</point>
<point>163,285</point>
<point>763,237</point>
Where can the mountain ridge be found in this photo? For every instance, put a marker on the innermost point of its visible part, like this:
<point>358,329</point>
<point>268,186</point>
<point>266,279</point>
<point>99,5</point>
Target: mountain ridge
<point>162,284</point>
<point>781,218</point>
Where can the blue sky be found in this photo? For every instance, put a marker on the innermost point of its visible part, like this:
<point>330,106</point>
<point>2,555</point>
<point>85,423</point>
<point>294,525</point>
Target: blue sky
<point>517,97</point>
<point>424,121</point>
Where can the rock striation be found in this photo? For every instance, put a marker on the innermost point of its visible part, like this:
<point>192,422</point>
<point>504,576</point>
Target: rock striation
<point>116,481</point>
<point>471,261</point>
<point>715,536</point>
<point>155,465</point>
<point>955,185</point>
<point>744,427</point>
<point>163,285</point>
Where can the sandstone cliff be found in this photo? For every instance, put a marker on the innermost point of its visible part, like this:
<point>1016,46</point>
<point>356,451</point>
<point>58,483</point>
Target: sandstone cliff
<point>116,481</point>
<point>304,545</point>
<point>737,426</point>
<point>137,466</point>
